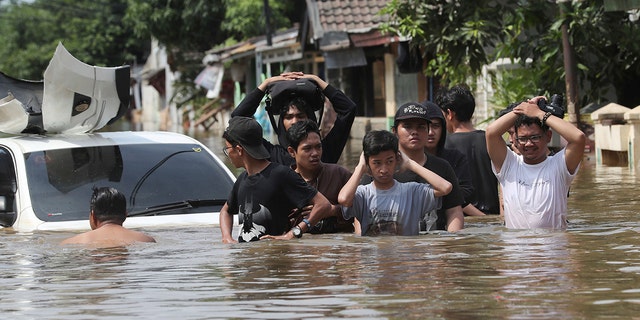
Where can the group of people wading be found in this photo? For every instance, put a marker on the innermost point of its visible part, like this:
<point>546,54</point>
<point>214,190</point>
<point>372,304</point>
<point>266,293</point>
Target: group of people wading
<point>413,178</point>
<point>430,171</point>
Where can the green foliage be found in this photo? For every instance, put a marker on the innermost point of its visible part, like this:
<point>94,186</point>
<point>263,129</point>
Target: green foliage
<point>245,18</point>
<point>188,28</point>
<point>187,25</point>
<point>459,37</point>
<point>454,35</point>
<point>91,30</point>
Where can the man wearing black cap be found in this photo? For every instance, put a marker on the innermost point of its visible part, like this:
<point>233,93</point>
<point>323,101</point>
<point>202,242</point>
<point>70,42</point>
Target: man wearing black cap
<point>266,193</point>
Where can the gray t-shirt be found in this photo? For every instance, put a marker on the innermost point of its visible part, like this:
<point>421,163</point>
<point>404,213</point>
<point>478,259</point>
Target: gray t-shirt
<point>396,211</point>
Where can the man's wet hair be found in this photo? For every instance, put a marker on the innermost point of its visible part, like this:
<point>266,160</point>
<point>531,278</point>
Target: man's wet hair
<point>377,141</point>
<point>108,205</point>
<point>300,131</point>
<point>458,99</point>
<point>524,120</point>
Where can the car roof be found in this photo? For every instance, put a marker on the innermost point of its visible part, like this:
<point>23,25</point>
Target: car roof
<point>31,143</point>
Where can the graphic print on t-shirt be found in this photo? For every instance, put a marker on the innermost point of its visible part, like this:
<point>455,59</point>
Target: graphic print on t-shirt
<point>384,222</point>
<point>254,222</point>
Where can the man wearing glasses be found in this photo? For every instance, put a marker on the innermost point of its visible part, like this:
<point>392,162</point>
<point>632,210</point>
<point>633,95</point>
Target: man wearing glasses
<point>534,185</point>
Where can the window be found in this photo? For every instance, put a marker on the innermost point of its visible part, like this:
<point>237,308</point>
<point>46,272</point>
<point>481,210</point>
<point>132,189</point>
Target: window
<point>61,181</point>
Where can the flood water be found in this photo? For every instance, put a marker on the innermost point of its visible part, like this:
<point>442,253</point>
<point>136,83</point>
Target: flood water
<point>592,270</point>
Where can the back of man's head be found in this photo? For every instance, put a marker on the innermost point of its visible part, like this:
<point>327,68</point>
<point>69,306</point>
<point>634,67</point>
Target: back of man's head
<point>108,205</point>
<point>458,99</point>
<point>246,132</point>
<point>377,141</point>
<point>300,131</point>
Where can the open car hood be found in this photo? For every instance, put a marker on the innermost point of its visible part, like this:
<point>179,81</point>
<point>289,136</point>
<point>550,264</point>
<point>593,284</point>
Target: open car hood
<point>74,97</point>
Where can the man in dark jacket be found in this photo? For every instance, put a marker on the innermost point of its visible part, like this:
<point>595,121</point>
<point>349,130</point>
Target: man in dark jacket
<point>334,138</point>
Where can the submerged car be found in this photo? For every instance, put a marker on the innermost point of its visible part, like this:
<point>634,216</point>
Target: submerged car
<point>54,158</point>
<point>169,179</point>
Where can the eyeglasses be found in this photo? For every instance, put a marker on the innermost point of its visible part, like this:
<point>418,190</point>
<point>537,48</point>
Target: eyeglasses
<point>225,150</point>
<point>534,139</point>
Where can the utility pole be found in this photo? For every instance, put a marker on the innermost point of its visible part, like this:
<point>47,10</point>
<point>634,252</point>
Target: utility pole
<point>267,21</point>
<point>571,82</point>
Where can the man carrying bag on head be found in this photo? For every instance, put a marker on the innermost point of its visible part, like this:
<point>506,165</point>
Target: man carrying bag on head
<point>290,101</point>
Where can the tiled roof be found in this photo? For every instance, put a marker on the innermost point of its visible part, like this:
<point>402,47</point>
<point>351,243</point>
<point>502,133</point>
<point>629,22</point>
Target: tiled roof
<point>351,16</point>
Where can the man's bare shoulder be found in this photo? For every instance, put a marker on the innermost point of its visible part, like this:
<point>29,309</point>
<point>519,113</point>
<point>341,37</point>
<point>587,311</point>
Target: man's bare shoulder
<point>77,239</point>
<point>140,236</point>
<point>111,236</point>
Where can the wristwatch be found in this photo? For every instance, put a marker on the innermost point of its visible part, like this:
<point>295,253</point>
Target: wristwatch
<point>297,232</point>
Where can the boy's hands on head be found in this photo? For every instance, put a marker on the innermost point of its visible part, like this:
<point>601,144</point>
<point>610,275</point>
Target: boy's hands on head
<point>362,162</point>
<point>403,162</point>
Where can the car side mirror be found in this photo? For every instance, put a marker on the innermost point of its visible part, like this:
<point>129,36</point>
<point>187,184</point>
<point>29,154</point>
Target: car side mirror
<point>7,216</point>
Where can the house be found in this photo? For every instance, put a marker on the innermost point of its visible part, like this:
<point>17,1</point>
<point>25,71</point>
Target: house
<point>341,42</point>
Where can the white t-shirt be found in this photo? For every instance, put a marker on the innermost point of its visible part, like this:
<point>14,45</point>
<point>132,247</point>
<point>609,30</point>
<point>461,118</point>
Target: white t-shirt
<point>535,196</point>
<point>397,210</point>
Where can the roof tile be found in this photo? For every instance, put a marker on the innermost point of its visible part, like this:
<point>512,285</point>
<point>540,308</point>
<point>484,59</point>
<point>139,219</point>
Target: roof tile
<point>349,15</point>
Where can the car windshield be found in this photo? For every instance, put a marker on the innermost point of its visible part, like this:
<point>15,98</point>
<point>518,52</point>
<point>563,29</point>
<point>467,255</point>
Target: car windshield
<point>150,175</point>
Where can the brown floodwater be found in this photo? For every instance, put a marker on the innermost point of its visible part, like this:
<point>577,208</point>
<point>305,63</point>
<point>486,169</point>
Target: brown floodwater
<point>592,270</point>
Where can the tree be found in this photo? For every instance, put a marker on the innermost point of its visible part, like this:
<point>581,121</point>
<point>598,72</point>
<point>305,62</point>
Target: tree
<point>455,37</point>
<point>458,38</point>
<point>246,18</point>
<point>91,30</point>
<point>188,28</point>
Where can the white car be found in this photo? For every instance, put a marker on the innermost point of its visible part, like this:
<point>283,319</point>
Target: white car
<point>53,160</point>
<point>169,179</point>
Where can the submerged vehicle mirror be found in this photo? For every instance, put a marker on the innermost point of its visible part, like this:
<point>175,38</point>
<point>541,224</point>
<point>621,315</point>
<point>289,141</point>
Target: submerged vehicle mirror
<point>7,216</point>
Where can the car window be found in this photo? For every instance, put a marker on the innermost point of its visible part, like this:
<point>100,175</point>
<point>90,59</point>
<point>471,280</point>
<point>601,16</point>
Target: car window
<point>61,181</point>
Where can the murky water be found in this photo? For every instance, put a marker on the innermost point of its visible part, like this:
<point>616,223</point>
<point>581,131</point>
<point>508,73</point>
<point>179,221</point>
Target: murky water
<point>483,272</point>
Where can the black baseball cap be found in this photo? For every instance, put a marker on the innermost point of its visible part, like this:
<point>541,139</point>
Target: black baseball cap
<point>411,110</point>
<point>247,132</point>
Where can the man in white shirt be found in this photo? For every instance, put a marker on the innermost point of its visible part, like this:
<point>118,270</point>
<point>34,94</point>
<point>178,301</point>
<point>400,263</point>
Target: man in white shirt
<point>534,185</point>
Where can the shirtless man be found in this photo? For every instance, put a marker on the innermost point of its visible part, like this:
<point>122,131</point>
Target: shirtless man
<point>108,212</point>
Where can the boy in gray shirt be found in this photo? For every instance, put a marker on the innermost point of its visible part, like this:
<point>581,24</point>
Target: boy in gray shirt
<point>386,206</point>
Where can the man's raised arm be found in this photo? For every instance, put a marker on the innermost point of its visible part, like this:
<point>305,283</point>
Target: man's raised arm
<point>496,146</point>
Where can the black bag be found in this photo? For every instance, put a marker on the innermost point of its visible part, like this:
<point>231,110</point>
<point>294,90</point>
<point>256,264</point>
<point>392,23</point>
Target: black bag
<point>280,93</point>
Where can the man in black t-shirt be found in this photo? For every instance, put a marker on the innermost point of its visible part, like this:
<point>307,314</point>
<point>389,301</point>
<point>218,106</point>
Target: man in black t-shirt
<point>458,105</point>
<point>266,193</point>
